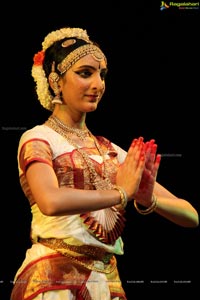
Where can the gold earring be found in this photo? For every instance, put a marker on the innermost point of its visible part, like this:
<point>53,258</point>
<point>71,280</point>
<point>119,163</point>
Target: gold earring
<point>53,80</point>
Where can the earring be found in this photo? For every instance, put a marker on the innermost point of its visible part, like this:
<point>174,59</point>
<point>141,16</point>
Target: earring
<point>53,80</point>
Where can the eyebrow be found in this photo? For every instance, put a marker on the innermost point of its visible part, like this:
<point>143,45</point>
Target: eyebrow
<point>91,67</point>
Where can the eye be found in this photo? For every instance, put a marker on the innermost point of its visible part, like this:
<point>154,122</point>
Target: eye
<point>84,73</point>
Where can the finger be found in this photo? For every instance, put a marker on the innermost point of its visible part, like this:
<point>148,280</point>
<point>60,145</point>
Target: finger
<point>138,150</point>
<point>151,149</point>
<point>135,155</point>
<point>156,165</point>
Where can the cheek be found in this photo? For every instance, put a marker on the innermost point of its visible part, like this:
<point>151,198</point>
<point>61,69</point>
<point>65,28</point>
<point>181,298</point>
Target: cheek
<point>103,90</point>
<point>80,84</point>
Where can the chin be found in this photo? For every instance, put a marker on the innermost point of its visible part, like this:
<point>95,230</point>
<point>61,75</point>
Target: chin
<point>92,107</point>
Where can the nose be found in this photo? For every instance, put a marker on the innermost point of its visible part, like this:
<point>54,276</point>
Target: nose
<point>98,83</point>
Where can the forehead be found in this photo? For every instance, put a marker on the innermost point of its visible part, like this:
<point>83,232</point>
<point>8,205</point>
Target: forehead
<point>90,60</point>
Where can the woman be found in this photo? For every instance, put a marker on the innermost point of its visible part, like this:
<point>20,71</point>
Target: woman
<point>78,184</point>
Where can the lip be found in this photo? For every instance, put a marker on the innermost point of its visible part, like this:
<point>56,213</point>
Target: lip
<point>93,97</point>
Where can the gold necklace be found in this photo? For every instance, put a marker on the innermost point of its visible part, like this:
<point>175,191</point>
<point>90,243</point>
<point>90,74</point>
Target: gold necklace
<point>103,183</point>
<point>81,133</point>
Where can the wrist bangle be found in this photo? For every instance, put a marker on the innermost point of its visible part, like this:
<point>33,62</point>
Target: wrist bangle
<point>148,210</point>
<point>123,197</point>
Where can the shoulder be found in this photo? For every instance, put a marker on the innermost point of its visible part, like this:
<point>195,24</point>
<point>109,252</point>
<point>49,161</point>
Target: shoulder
<point>41,133</point>
<point>31,138</point>
<point>37,132</point>
<point>44,137</point>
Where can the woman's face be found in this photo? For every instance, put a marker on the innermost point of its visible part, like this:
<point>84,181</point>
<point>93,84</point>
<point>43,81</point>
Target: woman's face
<point>83,84</point>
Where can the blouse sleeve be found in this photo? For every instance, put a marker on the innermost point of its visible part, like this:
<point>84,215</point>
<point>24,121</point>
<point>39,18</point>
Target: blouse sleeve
<point>35,149</point>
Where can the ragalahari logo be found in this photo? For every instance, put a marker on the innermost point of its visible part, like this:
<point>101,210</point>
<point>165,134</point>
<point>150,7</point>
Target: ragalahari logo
<point>164,5</point>
<point>179,5</point>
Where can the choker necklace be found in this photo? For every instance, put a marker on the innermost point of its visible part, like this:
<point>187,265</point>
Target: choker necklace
<point>81,133</point>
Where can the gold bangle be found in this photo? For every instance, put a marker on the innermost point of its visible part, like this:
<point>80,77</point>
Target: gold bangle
<point>123,197</point>
<point>148,210</point>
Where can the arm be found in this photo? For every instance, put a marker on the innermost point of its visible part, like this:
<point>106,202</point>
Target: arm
<point>54,200</point>
<point>177,210</point>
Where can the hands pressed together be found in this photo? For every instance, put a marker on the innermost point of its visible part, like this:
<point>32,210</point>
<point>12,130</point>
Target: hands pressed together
<point>137,175</point>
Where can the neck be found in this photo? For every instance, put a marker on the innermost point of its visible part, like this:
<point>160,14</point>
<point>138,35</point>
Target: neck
<point>76,120</point>
<point>82,133</point>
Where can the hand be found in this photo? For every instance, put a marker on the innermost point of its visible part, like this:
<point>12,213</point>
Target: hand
<point>144,193</point>
<point>130,172</point>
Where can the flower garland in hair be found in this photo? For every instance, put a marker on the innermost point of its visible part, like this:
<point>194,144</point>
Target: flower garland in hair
<point>42,85</point>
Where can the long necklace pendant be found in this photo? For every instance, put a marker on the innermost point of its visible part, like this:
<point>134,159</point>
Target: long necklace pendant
<point>103,184</point>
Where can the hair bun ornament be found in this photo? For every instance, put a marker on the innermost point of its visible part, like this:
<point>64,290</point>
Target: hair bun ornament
<point>68,43</point>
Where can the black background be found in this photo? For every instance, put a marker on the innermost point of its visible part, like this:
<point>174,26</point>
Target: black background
<point>152,90</point>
